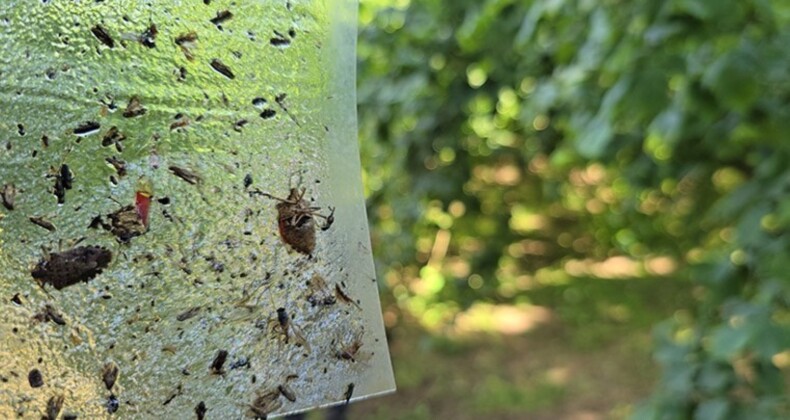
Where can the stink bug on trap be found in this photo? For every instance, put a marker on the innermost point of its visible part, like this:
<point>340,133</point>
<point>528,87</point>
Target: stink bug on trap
<point>296,220</point>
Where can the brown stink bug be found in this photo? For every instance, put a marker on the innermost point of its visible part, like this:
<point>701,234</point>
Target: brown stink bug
<point>296,220</point>
<point>63,269</point>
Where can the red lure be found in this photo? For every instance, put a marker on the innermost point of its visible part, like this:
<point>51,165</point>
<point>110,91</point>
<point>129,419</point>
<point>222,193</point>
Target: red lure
<point>142,199</point>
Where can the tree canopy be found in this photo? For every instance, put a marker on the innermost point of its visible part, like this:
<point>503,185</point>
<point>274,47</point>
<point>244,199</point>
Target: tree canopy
<point>503,139</point>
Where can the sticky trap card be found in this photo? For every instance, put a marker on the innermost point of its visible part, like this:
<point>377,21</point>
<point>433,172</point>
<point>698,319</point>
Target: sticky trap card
<point>182,227</point>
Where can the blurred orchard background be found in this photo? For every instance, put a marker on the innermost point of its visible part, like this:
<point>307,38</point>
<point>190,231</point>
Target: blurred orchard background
<point>580,209</point>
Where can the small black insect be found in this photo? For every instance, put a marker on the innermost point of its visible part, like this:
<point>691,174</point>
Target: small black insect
<point>8,196</point>
<point>178,391</point>
<point>54,405</point>
<point>219,360</point>
<point>49,313</point>
<point>134,108</point>
<point>16,299</point>
<point>319,293</point>
<point>180,122</point>
<point>343,296</point>
<point>42,222</point>
<point>66,177</point>
<point>279,40</point>
<point>113,404</point>
<point>222,69</point>
<point>109,375</point>
<point>349,392</point>
<point>63,269</point>
<point>87,128</point>
<point>268,113</point>
<point>185,174</point>
<point>247,180</point>
<point>189,313</point>
<point>63,181</point>
<point>118,164</point>
<point>287,392</point>
<point>186,42</point>
<point>200,410</point>
<point>35,379</point>
<point>112,136</point>
<point>148,37</point>
<point>221,17</point>
<point>238,125</point>
<point>101,34</point>
<point>265,403</point>
<point>186,38</point>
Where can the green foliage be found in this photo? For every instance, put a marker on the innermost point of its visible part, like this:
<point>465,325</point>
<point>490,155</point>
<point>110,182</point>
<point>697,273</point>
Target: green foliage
<point>504,137</point>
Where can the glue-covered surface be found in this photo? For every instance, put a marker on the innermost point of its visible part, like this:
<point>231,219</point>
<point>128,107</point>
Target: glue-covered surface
<point>213,106</point>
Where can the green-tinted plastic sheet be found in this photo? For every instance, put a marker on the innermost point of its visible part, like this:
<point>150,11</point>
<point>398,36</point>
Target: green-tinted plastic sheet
<point>220,109</point>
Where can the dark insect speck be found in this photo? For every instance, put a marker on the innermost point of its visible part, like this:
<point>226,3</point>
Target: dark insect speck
<point>8,196</point>
<point>349,392</point>
<point>42,222</point>
<point>49,313</point>
<point>118,164</point>
<point>264,403</point>
<point>221,17</point>
<point>148,37</point>
<point>113,404</point>
<point>186,38</point>
<point>343,296</point>
<point>54,405</point>
<point>101,34</point>
<point>238,125</point>
<point>35,379</point>
<point>16,299</point>
<point>240,363</point>
<point>247,180</point>
<point>66,177</point>
<point>222,69</point>
<point>185,174</point>
<point>200,410</point>
<point>110,374</point>
<point>219,360</point>
<point>134,108</point>
<point>63,181</point>
<point>268,113</point>
<point>112,136</point>
<point>189,313</point>
<point>86,128</point>
<point>279,40</point>
<point>63,269</point>
<point>287,392</point>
